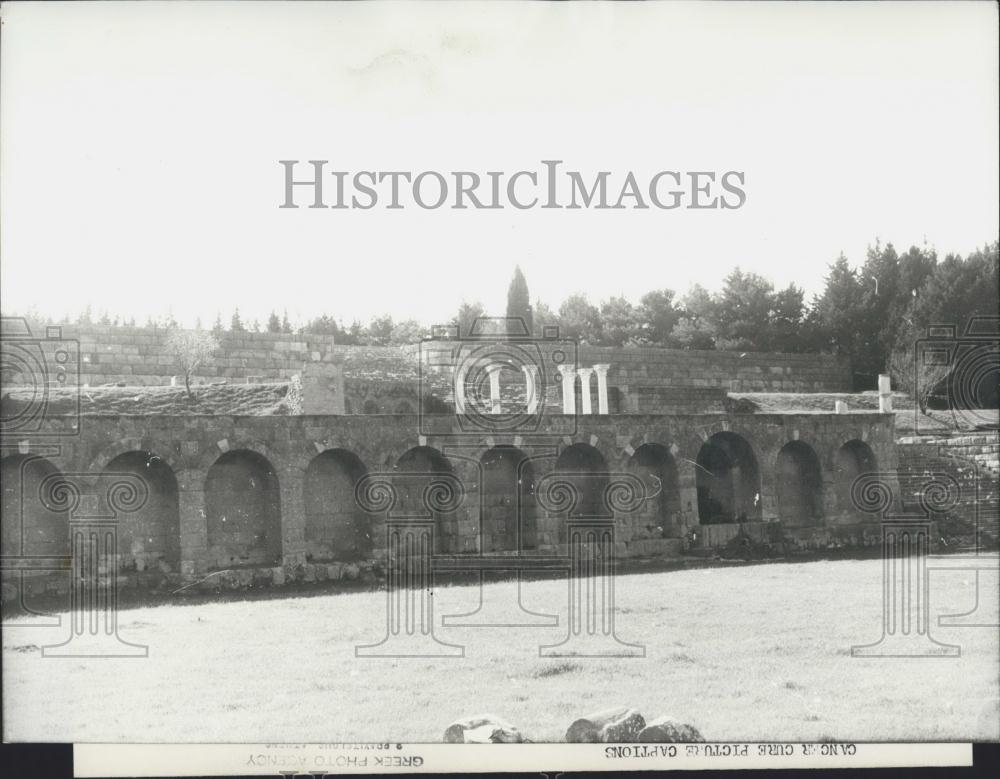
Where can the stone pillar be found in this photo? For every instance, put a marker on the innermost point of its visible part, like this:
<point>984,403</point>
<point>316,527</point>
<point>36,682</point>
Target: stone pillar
<point>568,374</point>
<point>322,388</point>
<point>493,371</point>
<point>840,407</point>
<point>602,388</point>
<point>585,405</point>
<point>687,483</point>
<point>884,394</point>
<point>194,524</point>
<point>531,388</point>
<point>292,548</point>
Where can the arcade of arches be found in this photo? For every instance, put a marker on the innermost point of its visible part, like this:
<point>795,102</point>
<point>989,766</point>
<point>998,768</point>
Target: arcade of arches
<point>271,505</point>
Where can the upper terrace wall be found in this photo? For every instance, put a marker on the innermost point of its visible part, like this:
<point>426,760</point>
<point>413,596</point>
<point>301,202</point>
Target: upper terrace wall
<point>730,370</point>
<point>138,356</point>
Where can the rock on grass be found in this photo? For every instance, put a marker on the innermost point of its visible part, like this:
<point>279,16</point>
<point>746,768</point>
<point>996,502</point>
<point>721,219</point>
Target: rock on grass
<point>665,730</point>
<point>616,725</point>
<point>482,729</point>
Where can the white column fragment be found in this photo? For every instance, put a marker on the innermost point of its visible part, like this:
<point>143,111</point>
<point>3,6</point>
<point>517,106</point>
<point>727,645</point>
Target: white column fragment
<point>568,374</point>
<point>602,388</point>
<point>493,372</point>
<point>585,407</point>
<point>884,394</point>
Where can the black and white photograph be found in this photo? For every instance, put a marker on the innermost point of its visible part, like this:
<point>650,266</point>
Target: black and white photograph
<point>386,382</point>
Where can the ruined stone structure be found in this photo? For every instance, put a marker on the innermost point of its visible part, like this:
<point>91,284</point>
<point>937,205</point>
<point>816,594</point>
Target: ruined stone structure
<point>269,496</point>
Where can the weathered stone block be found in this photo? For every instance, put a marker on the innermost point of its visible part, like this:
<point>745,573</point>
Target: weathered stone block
<point>618,724</point>
<point>482,729</point>
<point>665,730</point>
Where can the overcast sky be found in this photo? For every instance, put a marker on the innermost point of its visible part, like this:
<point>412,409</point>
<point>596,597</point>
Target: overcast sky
<point>140,146</point>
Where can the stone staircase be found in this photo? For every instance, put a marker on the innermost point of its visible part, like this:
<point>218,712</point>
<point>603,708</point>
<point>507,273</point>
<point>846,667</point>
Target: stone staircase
<point>971,460</point>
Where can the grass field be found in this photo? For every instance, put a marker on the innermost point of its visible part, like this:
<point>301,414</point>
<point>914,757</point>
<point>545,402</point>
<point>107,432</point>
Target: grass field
<point>754,652</point>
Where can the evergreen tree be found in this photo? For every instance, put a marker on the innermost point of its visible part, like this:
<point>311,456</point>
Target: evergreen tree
<point>273,323</point>
<point>543,316</point>
<point>580,320</point>
<point>286,326</point>
<point>519,302</point>
<point>379,331</point>
<point>657,316</point>
<point>619,322</point>
<point>236,324</point>
<point>696,328</point>
<point>466,317</point>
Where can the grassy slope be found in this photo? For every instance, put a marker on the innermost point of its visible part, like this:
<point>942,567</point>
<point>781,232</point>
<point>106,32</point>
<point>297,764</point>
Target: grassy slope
<point>743,653</point>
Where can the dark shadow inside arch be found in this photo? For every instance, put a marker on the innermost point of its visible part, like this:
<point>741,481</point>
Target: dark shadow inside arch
<point>654,464</point>
<point>32,526</point>
<point>799,485</point>
<point>728,481</point>
<point>587,471</point>
<point>417,468</point>
<point>243,510</point>
<point>150,537</point>
<point>508,511</point>
<point>336,526</point>
<point>852,460</point>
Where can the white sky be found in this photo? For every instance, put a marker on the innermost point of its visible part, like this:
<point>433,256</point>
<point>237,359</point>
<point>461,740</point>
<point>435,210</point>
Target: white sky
<point>140,146</point>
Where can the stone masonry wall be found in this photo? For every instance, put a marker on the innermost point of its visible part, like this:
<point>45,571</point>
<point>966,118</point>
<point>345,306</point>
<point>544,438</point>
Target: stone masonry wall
<point>137,356</point>
<point>285,447</point>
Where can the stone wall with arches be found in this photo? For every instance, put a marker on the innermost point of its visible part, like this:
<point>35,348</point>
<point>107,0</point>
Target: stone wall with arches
<point>244,492</point>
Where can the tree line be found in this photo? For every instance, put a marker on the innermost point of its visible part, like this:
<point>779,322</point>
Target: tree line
<point>867,314</point>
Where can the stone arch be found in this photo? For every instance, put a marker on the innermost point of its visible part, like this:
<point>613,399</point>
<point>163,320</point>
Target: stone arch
<point>799,484</point>
<point>728,480</point>
<point>587,472</point>
<point>508,510</point>
<point>32,525</point>
<point>164,452</point>
<point>403,407</point>
<point>243,510</point>
<point>151,536</point>
<point>369,407</point>
<point>660,515</point>
<point>206,459</point>
<point>852,459</point>
<point>417,467</point>
<point>336,526</point>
